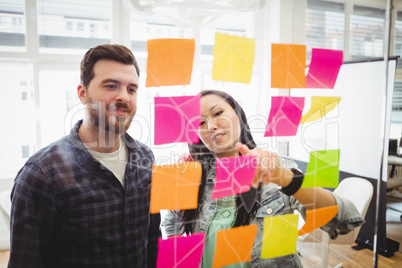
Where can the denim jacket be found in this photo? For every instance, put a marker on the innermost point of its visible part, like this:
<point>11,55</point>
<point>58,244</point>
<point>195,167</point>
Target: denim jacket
<point>273,203</point>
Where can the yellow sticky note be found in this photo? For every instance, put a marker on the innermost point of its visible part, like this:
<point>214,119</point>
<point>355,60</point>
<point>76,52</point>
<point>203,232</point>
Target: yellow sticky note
<point>279,236</point>
<point>234,245</point>
<point>316,218</point>
<point>320,106</point>
<point>233,58</point>
<point>175,186</point>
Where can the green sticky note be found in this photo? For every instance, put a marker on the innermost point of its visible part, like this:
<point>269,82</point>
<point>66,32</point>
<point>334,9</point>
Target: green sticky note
<point>322,170</point>
<point>279,236</point>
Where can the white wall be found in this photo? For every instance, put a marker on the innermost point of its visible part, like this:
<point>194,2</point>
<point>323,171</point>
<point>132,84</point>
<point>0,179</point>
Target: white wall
<point>356,126</point>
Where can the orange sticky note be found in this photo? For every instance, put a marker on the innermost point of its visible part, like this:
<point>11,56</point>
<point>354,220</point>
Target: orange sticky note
<point>175,186</point>
<point>288,65</point>
<point>316,218</point>
<point>170,62</point>
<point>234,245</point>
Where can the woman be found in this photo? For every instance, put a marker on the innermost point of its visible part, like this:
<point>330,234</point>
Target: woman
<point>224,132</point>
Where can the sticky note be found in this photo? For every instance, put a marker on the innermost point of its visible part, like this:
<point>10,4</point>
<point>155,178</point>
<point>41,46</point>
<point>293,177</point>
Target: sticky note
<point>279,236</point>
<point>175,187</point>
<point>288,64</point>
<point>234,175</point>
<point>320,106</point>
<point>322,169</point>
<point>233,58</point>
<point>284,117</point>
<point>169,62</point>
<point>316,218</point>
<point>324,68</point>
<point>234,245</point>
<point>177,119</point>
<point>180,251</point>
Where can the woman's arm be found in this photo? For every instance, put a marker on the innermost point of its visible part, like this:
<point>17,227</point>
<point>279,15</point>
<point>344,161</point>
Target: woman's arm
<point>171,223</point>
<point>271,170</point>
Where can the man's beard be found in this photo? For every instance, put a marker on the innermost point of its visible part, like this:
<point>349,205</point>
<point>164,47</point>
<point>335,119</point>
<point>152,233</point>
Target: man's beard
<point>111,124</point>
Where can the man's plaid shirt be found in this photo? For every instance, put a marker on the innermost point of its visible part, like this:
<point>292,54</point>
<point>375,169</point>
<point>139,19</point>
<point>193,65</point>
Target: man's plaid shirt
<point>70,211</point>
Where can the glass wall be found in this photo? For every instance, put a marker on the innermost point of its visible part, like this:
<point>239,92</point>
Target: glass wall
<point>43,41</point>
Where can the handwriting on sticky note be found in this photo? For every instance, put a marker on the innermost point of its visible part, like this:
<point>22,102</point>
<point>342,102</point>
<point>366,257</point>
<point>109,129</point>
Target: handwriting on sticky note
<point>175,186</point>
<point>177,119</point>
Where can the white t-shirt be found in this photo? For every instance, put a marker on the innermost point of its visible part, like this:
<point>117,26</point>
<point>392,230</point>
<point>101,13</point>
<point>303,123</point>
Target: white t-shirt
<point>116,161</point>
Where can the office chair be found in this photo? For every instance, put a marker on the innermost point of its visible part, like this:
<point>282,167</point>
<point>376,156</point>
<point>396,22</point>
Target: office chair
<point>361,199</point>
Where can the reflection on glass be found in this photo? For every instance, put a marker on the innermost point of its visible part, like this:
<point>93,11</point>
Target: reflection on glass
<point>59,104</point>
<point>367,32</point>
<point>147,26</point>
<point>18,136</point>
<point>398,37</point>
<point>238,24</point>
<point>325,26</point>
<point>73,26</point>
<point>12,25</point>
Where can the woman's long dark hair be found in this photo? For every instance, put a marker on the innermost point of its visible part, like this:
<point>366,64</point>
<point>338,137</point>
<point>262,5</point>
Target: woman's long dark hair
<point>199,152</point>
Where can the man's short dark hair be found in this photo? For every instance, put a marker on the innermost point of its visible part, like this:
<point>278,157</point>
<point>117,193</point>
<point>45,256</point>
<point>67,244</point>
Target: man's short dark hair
<point>114,52</point>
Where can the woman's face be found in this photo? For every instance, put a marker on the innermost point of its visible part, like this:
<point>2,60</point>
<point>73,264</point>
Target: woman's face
<point>220,126</point>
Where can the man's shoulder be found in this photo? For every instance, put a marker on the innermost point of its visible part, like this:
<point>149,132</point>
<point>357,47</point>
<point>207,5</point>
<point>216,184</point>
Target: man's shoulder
<point>61,147</point>
<point>48,160</point>
<point>135,146</point>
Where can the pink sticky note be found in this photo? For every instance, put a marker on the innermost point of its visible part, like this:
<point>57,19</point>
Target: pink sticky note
<point>234,175</point>
<point>180,251</point>
<point>285,116</point>
<point>177,119</point>
<point>324,68</point>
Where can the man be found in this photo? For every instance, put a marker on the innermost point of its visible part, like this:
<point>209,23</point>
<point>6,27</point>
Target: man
<point>83,201</point>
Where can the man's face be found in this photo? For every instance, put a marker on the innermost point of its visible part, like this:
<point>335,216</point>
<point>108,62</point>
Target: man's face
<point>111,96</point>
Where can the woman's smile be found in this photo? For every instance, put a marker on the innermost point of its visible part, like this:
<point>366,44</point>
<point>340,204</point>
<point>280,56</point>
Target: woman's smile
<point>220,126</point>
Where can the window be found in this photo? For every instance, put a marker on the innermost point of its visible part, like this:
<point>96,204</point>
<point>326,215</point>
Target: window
<point>80,26</point>
<point>25,151</point>
<point>24,95</point>
<point>12,25</point>
<point>398,38</point>
<point>56,18</point>
<point>69,25</point>
<point>397,98</point>
<point>325,26</point>
<point>147,26</point>
<point>239,24</point>
<point>58,93</point>
<point>19,123</point>
<point>366,32</point>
